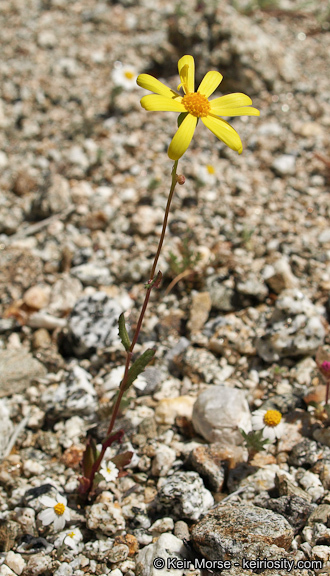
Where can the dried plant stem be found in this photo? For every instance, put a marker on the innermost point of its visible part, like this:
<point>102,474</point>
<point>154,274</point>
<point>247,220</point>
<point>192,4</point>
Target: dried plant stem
<point>129,353</point>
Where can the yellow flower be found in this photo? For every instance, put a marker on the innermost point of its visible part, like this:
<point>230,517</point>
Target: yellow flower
<point>195,105</point>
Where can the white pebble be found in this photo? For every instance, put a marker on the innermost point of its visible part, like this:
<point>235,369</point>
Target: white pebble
<point>15,562</point>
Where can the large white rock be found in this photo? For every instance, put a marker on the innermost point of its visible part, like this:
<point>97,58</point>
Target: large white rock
<point>218,414</point>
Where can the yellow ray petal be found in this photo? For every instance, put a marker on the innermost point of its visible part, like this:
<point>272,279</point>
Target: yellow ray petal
<point>210,83</point>
<point>186,67</point>
<point>150,83</point>
<point>153,102</point>
<point>222,105</point>
<point>239,111</point>
<point>182,137</point>
<point>224,132</point>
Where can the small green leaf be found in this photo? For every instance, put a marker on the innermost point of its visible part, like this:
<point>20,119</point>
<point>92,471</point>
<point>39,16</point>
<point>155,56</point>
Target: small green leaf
<point>155,281</point>
<point>255,440</point>
<point>123,332</point>
<point>138,366</point>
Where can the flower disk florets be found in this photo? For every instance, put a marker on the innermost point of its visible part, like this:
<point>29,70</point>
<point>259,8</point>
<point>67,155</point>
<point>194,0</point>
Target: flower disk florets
<point>272,418</point>
<point>59,509</point>
<point>196,104</point>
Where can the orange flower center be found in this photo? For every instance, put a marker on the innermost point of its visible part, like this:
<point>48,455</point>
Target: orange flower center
<point>196,104</point>
<point>272,418</point>
<point>59,509</point>
<point>128,75</point>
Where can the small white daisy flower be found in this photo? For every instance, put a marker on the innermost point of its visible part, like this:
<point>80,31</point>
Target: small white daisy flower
<point>109,470</point>
<point>70,538</point>
<point>270,422</point>
<point>73,538</point>
<point>57,511</point>
<point>124,76</point>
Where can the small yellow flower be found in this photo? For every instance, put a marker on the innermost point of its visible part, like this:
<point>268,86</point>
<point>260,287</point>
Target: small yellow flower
<point>195,105</point>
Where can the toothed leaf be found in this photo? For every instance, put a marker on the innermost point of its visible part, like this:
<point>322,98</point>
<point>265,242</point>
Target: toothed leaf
<point>139,366</point>
<point>255,440</point>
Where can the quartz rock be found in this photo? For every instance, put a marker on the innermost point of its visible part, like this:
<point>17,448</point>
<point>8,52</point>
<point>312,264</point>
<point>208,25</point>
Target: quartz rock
<point>279,276</point>
<point>284,165</point>
<point>163,460</point>
<point>183,496</point>
<point>93,324</point>
<point>37,296</point>
<point>118,553</point>
<point>230,332</point>
<point>106,517</point>
<point>92,274</point>
<point>64,570</point>
<point>46,321</point>
<point>253,287</point>
<point>324,237</point>
<point>6,571</point>
<point>199,311</point>
<point>64,294</point>
<point>311,483</point>
<point>321,553</point>
<point>264,478</point>
<point>26,517</point>
<point>162,525</point>
<point>218,414</point>
<point>167,546</point>
<point>15,562</point>
<point>169,408</point>
<point>316,533</point>
<point>222,295</point>
<point>38,564</point>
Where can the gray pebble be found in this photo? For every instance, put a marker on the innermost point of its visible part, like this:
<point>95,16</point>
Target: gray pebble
<point>18,369</point>
<point>183,496</point>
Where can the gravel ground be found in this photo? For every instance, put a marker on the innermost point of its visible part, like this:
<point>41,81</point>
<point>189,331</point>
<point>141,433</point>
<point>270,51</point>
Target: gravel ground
<point>241,312</point>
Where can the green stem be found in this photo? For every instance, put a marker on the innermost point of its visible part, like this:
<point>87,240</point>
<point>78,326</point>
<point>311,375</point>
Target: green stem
<point>139,323</point>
